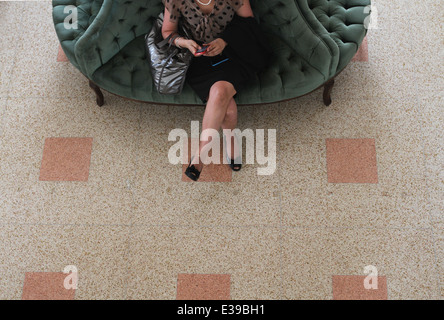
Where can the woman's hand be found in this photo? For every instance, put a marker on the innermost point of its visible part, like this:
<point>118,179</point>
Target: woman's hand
<point>187,43</point>
<point>215,47</point>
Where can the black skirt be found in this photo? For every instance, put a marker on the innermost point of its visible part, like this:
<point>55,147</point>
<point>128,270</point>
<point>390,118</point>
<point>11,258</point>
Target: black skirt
<point>205,71</point>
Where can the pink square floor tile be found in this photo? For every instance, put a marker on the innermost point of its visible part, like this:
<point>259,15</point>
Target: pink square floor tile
<point>351,161</point>
<point>61,56</point>
<point>203,286</point>
<point>362,53</point>
<point>354,288</point>
<point>66,159</point>
<point>210,173</point>
<point>46,286</point>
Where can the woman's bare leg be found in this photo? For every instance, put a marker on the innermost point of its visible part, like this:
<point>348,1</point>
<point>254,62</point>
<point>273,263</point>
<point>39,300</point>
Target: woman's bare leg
<point>230,122</point>
<point>230,119</point>
<point>219,99</point>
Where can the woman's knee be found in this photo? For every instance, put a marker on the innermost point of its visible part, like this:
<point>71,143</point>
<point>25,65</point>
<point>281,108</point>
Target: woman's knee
<point>222,91</point>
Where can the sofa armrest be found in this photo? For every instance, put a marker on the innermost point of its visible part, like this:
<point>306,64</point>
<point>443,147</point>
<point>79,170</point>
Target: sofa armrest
<point>339,24</point>
<point>101,36</point>
<point>319,31</point>
<point>87,52</point>
<point>86,12</point>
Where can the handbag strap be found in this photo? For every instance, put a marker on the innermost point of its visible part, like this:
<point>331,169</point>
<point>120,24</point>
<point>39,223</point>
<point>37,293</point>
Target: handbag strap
<point>168,40</point>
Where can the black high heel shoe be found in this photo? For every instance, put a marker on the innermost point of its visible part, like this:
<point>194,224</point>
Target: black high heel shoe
<point>191,172</point>
<point>235,164</point>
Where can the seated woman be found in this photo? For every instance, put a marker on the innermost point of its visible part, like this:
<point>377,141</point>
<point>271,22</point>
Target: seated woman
<point>215,79</point>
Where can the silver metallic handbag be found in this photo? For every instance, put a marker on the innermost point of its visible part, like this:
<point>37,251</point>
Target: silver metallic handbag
<point>169,64</point>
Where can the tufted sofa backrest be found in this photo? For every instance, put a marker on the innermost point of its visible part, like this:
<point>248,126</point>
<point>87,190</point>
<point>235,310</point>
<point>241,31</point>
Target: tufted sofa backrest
<point>285,20</point>
<point>109,25</point>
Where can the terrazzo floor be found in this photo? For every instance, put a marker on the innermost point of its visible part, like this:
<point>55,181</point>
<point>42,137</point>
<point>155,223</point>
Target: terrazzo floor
<point>90,207</point>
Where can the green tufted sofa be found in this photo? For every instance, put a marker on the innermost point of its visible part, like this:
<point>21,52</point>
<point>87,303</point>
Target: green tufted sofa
<point>312,41</point>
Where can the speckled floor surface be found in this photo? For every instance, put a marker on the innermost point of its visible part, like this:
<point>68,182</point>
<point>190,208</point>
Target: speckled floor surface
<point>354,209</point>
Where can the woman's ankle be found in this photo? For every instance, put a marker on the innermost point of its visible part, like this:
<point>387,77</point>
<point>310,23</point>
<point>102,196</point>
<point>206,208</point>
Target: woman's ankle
<point>197,162</point>
<point>232,146</point>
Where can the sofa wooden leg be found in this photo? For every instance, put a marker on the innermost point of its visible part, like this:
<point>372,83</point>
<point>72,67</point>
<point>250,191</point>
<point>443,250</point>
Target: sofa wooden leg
<point>328,87</point>
<point>99,95</point>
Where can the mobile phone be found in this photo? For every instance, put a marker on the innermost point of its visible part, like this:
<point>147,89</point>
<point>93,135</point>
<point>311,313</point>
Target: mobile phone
<point>201,51</point>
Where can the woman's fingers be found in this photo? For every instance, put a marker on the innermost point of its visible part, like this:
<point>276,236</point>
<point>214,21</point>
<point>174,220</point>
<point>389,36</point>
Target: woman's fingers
<point>215,47</point>
<point>214,53</point>
<point>213,50</point>
<point>193,47</point>
<point>211,54</point>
